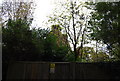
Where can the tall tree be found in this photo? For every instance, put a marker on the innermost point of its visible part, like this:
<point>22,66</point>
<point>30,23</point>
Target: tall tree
<point>16,43</point>
<point>17,40</point>
<point>73,18</point>
<point>16,9</point>
<point>105,24</point>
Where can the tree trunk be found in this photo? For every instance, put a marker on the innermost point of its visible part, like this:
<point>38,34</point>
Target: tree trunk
<point>75,52</point>
<point>97,50</point>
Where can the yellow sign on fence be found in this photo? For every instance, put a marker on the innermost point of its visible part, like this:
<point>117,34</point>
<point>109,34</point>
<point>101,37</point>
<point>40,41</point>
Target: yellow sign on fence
<point>52,68</point>
<point>52,65</point>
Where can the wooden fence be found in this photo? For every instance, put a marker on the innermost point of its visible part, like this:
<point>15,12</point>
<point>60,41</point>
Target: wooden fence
<point>39,71</point>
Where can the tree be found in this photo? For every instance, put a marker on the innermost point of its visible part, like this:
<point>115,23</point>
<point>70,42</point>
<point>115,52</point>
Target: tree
<point>100,57</point>
<point>74,22</point>
<point>87,54</point>
<point>16,10</point>
<point>21,44</point>
<point>56,46</point>
<point>49,44</point>
<point>61,38</point>
<point>53,50</point>
<point>17,41</point>
<point>105,24</point>
<point>15,18</point>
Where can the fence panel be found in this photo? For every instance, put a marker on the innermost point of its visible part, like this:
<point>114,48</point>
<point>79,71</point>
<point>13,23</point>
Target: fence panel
<point>24,71</point>
<point>16,71</point>
<point>62,71</point>
<point>90,71</point>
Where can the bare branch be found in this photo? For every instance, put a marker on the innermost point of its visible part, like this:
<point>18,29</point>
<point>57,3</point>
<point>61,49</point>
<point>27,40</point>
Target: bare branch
<point>67,32</point>
<point>79,32</point>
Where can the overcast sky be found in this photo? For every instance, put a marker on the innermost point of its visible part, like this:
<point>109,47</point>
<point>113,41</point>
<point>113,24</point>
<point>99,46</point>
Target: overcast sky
<point>43,9</point>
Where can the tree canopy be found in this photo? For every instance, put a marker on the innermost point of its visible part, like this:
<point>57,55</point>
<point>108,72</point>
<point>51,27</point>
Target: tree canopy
<point>105,24</point>
<point>74,20</point>
<point>22,43</point>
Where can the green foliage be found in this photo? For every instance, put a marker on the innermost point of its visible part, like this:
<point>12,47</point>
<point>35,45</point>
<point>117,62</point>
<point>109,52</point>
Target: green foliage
<point>99,57</point>
<point>17,40</point>
<point>70,57</point>
<point>89,55</point>
<point>53,50</point>
<point>39,36</point>
<point>22,44</point>
<point>71,16</point>
<point>106,25</point>
<point>87,52</point>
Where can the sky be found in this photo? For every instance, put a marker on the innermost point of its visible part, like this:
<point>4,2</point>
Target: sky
<point>43,9</point>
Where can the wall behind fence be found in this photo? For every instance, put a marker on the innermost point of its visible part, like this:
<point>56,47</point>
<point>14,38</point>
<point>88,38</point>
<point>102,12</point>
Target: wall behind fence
<point>23,71</point>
